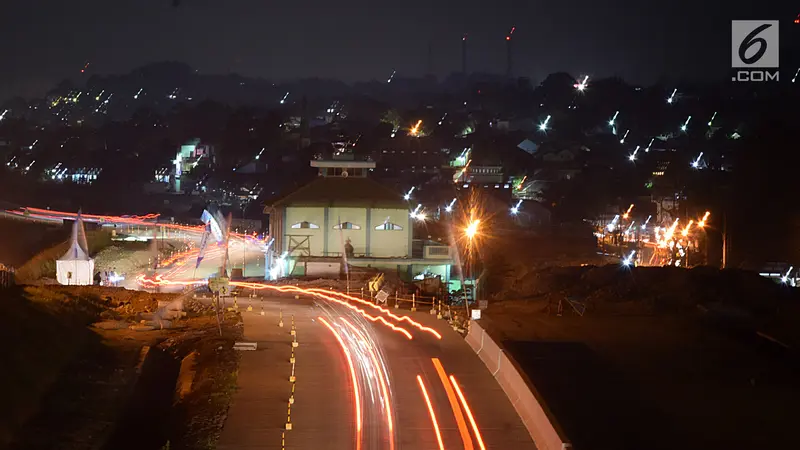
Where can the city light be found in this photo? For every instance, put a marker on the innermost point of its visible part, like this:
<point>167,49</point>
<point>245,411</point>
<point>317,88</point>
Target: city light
<point>543,125</point>
<point>415,213</point>
<point>581,86</point>
<point>785,278</point>
<point>632,156</point>
<point>613,225</point>
<point>686,124</point>
<point>686,229</point>
<point>629,259</point>
<point>628,212</point>
<point>702,222</point>
<point>671,98</point>
<point>613,119</point>
<point>415,129</point>
<point>696,162</point>
<point>711,121</point>
<point>472,229</point>
<point>449,208</point>
<point>644,225</point>
<point>647,149</point>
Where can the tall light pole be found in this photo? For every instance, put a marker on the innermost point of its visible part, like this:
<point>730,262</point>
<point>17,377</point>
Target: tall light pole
<point>464,54</point>
<point>471,231</point>
<point>509,52</point>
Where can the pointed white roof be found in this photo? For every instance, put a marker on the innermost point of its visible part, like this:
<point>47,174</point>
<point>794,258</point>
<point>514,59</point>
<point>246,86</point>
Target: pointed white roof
<point>78,247</point>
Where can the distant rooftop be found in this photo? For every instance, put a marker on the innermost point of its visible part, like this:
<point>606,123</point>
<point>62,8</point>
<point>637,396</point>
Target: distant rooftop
<point>352,191</point>
<point>344,169</point>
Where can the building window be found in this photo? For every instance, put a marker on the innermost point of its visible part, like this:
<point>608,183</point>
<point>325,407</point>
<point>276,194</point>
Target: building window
<point>346,226</point>
<point>305,224</point>
<point>388,226</point>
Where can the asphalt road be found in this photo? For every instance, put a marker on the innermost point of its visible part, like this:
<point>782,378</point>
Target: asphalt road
<point>338,349</point>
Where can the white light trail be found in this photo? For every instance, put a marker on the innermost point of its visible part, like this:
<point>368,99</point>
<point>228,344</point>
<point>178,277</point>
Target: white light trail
<point>629,260</point>
<point>711,121</point>
<point>449,208</point>
<point>581,86</point>
<point>696,162</point>
<point>644,225</point>
<point>543,125</point>
<point>632,156</point>
<point>686,124</point>
<point>647,149</point>
<point>671,98</point>
<point>613,119</point>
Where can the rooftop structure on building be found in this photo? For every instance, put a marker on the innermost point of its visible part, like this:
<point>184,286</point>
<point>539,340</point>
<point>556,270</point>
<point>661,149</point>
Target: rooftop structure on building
<point>344,212</point>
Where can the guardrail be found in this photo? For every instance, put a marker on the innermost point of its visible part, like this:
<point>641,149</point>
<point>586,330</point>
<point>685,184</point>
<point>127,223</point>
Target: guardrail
<point>543,429</point>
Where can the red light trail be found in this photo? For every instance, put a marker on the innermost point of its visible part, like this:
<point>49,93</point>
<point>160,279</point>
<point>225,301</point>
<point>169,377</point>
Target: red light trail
<point>356,394</point>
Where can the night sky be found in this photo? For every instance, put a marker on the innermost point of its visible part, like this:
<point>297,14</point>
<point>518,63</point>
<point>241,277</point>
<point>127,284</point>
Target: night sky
<point>43,41</point>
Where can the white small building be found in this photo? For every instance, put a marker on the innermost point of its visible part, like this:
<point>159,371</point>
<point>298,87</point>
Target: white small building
<point>76,267</point>
<point>343,208</point>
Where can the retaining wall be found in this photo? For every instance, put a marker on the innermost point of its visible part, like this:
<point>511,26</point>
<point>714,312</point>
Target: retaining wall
<point>543,429</point>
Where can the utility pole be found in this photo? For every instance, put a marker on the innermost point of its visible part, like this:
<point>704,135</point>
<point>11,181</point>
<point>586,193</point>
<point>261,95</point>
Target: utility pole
<point>509,52</point>
<point>725,240</point>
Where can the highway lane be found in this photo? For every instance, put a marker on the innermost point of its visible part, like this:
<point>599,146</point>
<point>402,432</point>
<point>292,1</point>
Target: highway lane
<point>384,382</point>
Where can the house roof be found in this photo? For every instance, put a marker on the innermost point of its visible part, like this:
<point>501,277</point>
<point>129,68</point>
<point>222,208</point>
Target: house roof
<point>346,192</point>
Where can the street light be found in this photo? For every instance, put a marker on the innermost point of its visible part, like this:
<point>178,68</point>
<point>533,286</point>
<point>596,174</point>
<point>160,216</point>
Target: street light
<point>544,125</point>
<point>449,208</point>
<point>472,229</point>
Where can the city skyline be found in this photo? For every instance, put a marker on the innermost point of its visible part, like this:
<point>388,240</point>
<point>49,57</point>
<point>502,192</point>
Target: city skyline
<point>357,41</point>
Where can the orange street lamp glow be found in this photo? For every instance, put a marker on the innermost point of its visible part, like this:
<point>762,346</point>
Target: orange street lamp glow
<point>415,128</point>
<point>472,229</point>
<point>685,231</point>
<point>628,212</point>
<point>702,222</point>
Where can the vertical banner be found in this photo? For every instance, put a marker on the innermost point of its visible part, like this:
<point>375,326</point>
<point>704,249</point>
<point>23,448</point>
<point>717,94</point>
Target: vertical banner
<point>203,244</point>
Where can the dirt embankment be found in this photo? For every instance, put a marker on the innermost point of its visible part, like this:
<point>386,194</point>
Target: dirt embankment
<point>68,385</point>
<point>20,240</point>
<point>657,358</point>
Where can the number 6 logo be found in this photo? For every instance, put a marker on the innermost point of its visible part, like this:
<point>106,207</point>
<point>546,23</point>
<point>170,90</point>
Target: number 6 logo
<point>754,43</point>
<point>751,40</point>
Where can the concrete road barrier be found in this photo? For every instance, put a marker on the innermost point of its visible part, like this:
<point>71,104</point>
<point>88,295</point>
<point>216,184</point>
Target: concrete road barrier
<point>543,429</point>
